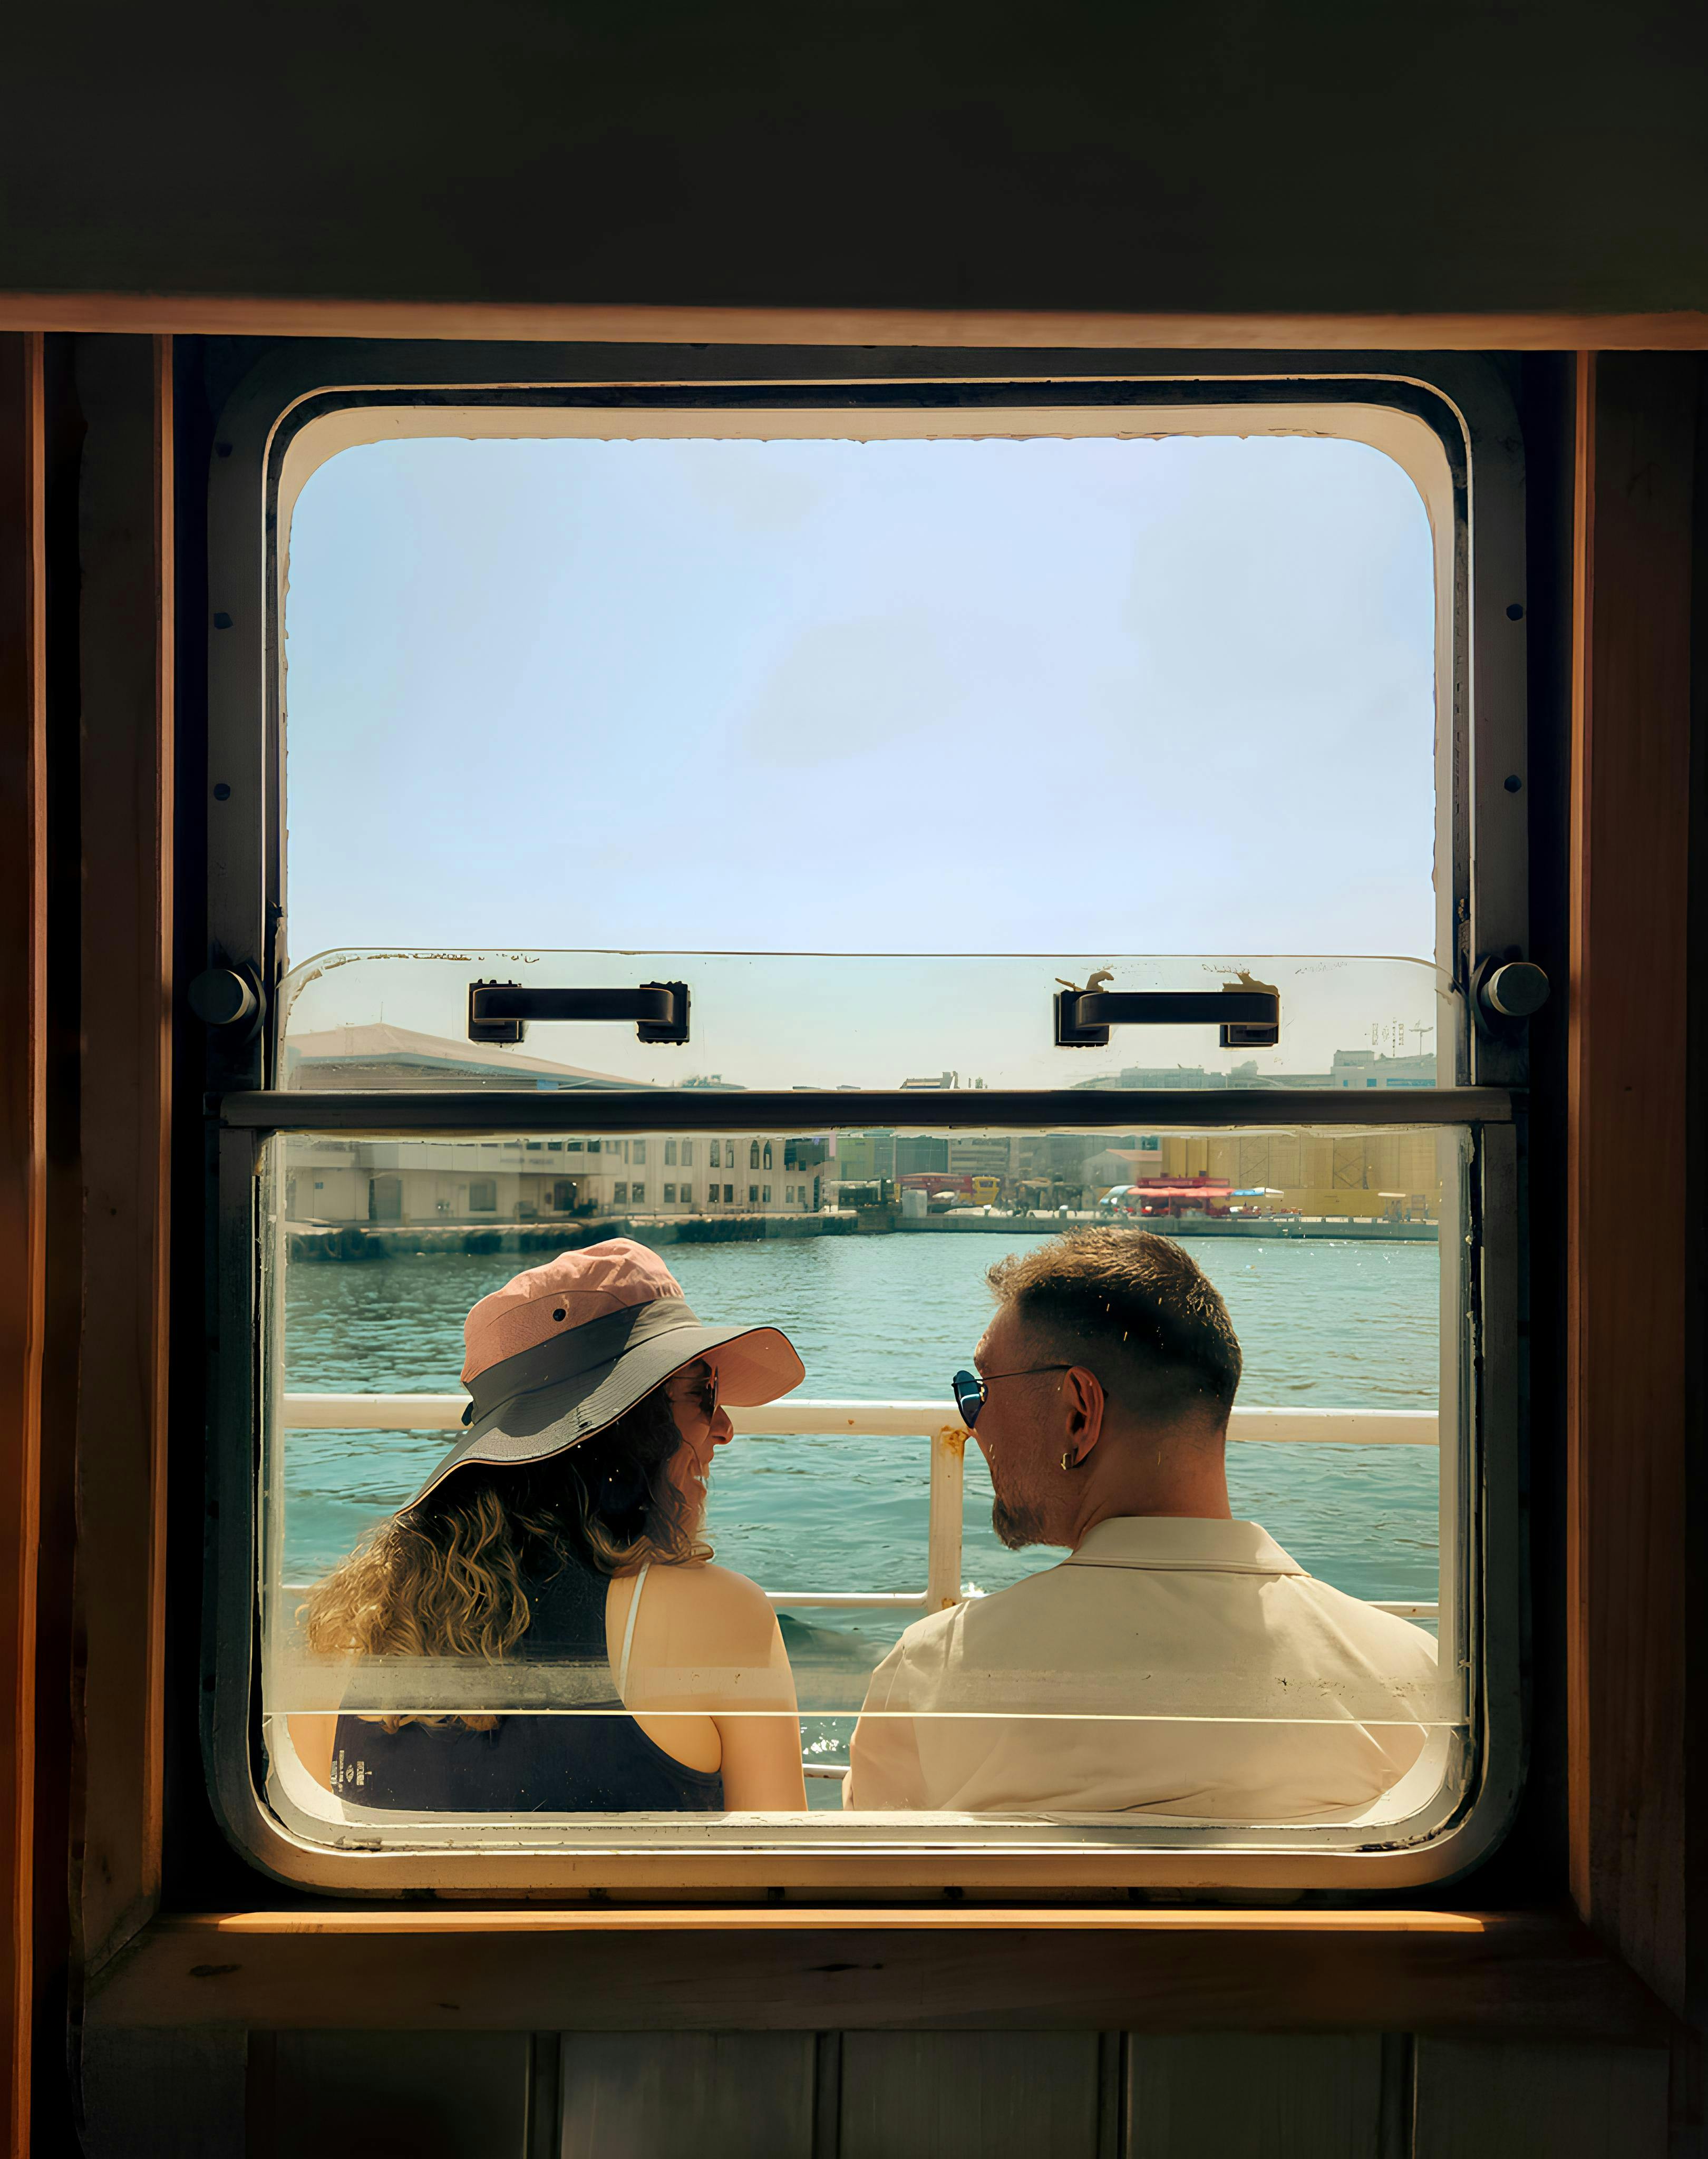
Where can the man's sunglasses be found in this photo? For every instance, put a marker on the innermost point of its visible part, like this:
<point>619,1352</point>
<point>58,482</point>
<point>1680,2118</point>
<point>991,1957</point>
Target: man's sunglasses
<point>969,1390</point>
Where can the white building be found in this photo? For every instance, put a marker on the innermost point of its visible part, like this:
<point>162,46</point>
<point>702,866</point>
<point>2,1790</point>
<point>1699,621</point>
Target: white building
<point>462,1183</point>
<point>552,1178</point>
<point>1367,1068</point>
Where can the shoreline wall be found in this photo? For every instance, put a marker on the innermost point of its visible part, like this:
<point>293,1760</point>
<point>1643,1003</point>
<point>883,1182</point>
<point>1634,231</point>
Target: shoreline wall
<point>1348,1228</point>
<point>377,1240</point>
<point>359,1241</point>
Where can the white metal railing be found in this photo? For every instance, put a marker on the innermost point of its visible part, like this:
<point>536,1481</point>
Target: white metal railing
<point>936,1422</point>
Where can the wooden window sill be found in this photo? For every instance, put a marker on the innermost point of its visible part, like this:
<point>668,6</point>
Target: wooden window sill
<point>1490,1974</point>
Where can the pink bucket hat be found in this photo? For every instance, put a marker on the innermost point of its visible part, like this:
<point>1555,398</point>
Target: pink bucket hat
<point>563,1350</point>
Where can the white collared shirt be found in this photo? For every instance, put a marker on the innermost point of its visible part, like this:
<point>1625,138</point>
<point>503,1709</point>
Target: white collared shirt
<point>1174,1665</point>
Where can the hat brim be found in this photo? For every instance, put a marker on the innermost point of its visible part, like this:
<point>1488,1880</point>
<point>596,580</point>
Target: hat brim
<point>755,1364</point>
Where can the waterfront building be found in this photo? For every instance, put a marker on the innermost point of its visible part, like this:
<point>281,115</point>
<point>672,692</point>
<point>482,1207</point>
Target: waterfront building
<point>334,1180</point>
<point>460,1182</point>
<point>984,1154</point>
<point>379,1056</point>
<point>1180,1078</point>
<point>878,1154</point>
<point>918,1152</point>
<point>1367,1068</point>
<point>1349,1067</point>
<point>863,1157</point>
<point>1390,1173</point>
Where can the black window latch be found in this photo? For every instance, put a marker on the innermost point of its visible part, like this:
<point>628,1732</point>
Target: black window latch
<point>1248,1018</point>
<point>499,1012</point>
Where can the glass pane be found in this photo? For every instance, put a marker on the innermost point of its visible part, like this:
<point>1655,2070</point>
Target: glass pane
<point>1063,685</point>
<point>881,1021</point>
<point>856,1501</point>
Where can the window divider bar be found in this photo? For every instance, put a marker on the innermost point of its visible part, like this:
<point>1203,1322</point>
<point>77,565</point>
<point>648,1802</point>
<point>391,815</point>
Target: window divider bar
<point>436,1113</point>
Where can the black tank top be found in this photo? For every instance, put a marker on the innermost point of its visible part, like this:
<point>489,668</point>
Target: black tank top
<point>529,1764</point>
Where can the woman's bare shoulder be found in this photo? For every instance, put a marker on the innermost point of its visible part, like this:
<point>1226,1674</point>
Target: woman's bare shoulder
<point>711,1593</point>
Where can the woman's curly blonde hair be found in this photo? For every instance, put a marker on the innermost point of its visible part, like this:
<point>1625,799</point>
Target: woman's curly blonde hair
<point>450,1576</point>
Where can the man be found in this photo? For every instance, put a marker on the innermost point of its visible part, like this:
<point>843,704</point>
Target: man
<point>1179,1662</point>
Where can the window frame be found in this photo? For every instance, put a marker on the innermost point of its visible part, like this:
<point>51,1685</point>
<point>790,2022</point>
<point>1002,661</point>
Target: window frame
<point>1483,899</point>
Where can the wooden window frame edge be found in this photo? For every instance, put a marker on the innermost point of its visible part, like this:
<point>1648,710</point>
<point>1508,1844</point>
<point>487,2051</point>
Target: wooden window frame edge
<point>283,397</point>
<point>1636,536</point>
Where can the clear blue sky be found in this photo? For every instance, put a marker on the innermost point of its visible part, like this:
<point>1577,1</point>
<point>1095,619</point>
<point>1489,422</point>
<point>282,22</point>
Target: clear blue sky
<point>1043,697</point>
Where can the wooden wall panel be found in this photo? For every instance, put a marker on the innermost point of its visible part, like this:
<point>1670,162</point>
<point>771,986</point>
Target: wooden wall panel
<point>124,388</point>
<point>1307,158</point>
<point>1536,2102</point>
<point>1627,1410</point>
<point>22,1173</point>
<point>164,2095</point>
<point>970,2095</point>
<point>388,2095</point>
<point>943,2095</point>
<point>1207,2096</point>
<point>659,2094</point>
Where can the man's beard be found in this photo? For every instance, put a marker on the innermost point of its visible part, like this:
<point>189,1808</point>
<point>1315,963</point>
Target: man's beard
<point>1016,1523</point>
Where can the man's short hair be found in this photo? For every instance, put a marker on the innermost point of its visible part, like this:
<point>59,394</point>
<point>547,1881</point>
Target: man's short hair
<point>1176,1354</point>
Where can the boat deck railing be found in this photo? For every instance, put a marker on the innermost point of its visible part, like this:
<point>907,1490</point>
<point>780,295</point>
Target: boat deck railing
<point>937,1422</point>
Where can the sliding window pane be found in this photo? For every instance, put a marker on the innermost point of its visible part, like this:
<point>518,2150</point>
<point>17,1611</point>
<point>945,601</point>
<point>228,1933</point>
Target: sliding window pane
<point>856,1500</point>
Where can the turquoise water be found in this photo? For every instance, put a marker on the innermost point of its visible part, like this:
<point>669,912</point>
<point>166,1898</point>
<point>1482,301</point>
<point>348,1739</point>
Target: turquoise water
<point>1322,1324</point>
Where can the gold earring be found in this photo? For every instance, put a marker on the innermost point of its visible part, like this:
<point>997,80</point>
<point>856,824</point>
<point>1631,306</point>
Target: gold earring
<point>1067,1463</point>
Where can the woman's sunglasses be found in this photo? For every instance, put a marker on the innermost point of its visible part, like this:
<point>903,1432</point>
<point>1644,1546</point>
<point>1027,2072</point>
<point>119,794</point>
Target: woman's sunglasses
<point>969,1390</point>
<point>702,1391</point>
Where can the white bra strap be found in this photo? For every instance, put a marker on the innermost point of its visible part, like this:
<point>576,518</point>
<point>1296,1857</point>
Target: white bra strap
<point>629,1630</point>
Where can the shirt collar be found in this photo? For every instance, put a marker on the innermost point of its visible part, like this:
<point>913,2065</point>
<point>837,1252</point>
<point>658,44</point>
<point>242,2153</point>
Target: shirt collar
<point>1183,1541</point>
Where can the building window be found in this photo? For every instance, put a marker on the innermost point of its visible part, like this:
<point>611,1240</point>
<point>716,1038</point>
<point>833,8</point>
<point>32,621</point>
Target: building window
<point>753,1195</point>
<point>765,1194</point>
<point>717,1154</point>
<point>753,1154</point>
<point>669,1152</point>
<point>483,1195</point>
<point>563,1194</point>
<point>619,1194</point>
<point>768,1154</point>
<point>639,1155</point>
<point>670,1195</point>
<point>728,1195</point>
<point>687,1195</point>
<point>687,1154</point>
<point>641,1195</point>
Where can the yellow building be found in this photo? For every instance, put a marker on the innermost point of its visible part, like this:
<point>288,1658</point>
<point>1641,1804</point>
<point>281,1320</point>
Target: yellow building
<point>1315,1173</point>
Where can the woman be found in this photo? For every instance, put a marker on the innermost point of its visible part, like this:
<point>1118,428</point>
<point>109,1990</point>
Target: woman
<point>564,1529</point>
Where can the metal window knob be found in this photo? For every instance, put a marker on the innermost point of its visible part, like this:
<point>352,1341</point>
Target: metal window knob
<point>1518,989</point>
<point>221,997</point>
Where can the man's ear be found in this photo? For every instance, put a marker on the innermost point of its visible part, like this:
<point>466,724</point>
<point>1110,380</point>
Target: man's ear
<point>1083,1399</point>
